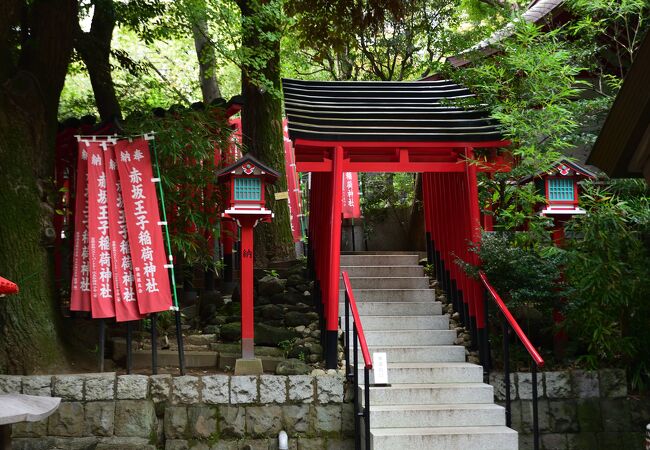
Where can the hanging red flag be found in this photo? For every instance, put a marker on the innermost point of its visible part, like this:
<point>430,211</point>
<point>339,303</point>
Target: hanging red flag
<point>101,276</point>
<point>80,289</point>
<point>126,307</point>
<point>350,201</point>
<point>292,187</point>
<point>146,244</point>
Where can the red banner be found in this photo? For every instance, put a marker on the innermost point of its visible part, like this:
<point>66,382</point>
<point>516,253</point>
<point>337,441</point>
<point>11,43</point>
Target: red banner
<point>143,226</point>
<point>101,275</point>
<point>293,189</point>
<point>350,201</point>
<point>80,290</point>
<point>126,307</point>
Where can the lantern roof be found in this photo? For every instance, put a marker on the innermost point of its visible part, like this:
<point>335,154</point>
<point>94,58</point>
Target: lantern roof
<point>249,165</point>
<point>385,111</point>
<point>562,167</point>
<point>7,287</point>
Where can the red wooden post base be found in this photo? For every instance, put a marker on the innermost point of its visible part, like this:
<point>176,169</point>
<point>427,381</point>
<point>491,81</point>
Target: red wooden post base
<point>246,287</point>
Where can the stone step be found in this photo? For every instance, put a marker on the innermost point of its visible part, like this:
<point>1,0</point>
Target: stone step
<point>410,337</point>
<point>379,260</point>
<point>387,283</point>
<point>395,308</point>
<point>444,438</point>
<point>425,322</point>
<point>405,416</point>
<point>390,295</point>
<point>429,394</point>
<point>383,271</point>
<point>421,353</point>
<point>445,372</point>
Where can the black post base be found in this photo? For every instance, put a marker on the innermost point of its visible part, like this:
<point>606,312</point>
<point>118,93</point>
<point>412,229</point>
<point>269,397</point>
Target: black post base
<point>331,349</point>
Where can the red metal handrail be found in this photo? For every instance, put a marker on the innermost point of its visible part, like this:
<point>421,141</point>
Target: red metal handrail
<point>355,314</point>
<point>513,323</point>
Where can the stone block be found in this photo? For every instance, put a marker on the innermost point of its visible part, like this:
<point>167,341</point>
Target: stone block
<point>132,387</point>
<point>589,416</point>
<point>553,441</point>
<point>263,421</point>
<point>609,441</point>
<point>185,389</point>
<point>613,383</point>
<point>340,444</point>
<point>232,421</point>
<point>256,444</point>
<point>99,418</point>
<point>311,444</point>
<point>329,389</point>
<point>243,389</point>
<point>124,443</point>
<point>100,387</point>
<point>525,385</point>
<point>160,387</point>
<point>45,443</point>
<point>639,412</point>
<point>497,382</point>
<point>297,419</point>
<point>68,387</point>
<point>273,389</point>
<point>328,419</point>
<point>615,413</point>
<point>67,420</point>
<point>37,385</point>
<point>582,441</point>
<point>301,388</point>
<point>216,389</point>
<point>563,416</point>
<point>558,384</point>
<point>225,445</point>
<point>135,418</point>
<point>585,384</point>
<point>29,429</point>
<point>74,443</point>
<point>10,384</point>
<point>525,441</point>
<point>175,422</point>
<point>176,444</point>
<point>515,416</point>
<point>347,419</point>
<point>202,421</point>
<point>527,415</point>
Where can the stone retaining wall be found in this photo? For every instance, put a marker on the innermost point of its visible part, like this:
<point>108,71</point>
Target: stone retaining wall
<point>139,412</point>
<point>578,410</point>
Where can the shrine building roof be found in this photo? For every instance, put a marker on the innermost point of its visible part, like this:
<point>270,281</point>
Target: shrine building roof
<point>377,111</point>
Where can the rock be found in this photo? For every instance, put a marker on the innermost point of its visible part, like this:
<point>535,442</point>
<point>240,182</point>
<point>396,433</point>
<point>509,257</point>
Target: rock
<point>295,279</point>
<point>68,387</point>
<point>135,418</point>
<point>216,389</point>
<point>32,385</point>
<point>292,367</point>
<point>300,329</point>
<point>243,389</point>
<point>315,349</point>
<point>217,320</point>
<point>211,329</point>
<point>202,421</point>
<point>160,387</point>
<point>262,300</point>
<point>200,339</point>
<point>67,420</point>
<point>270,335</point>
<point>101,387</point>
<point>185,389</point>
<point>302,287</point>
<point>270,311</point>
<point>10,384</point>
<point>175,421</point>
<point>212,298</point>
<point>269,285</point>
<point>295,318</point>
<point>329,388</point>
<point>189,312</point>
<point>231,332</point>
<point>263,421</point>
<point>300,307</point>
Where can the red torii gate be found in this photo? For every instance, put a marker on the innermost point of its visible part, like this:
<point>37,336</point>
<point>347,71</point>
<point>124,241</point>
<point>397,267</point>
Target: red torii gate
<point>341,127</point>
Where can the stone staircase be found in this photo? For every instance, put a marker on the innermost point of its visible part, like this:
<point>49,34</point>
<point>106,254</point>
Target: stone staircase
<point>435,399</point>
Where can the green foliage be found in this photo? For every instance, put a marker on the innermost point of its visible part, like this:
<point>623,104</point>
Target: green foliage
<point>524,275</point>
<point>385,194</point>
<point>609,271</point>
<point>186,142</point>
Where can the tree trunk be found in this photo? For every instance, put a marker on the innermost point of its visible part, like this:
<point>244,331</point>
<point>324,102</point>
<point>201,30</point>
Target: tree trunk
<point>94,47</point>
<point>29,323</point>
<point>206,56</point>
<point>262,123</point>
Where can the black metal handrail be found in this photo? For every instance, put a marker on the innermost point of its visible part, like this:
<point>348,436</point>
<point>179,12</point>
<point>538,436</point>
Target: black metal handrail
<point>352,370</point>
<point>508,322</point>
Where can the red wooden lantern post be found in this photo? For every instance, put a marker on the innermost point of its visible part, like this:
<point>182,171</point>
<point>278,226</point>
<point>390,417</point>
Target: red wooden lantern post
<point>247,179</point>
